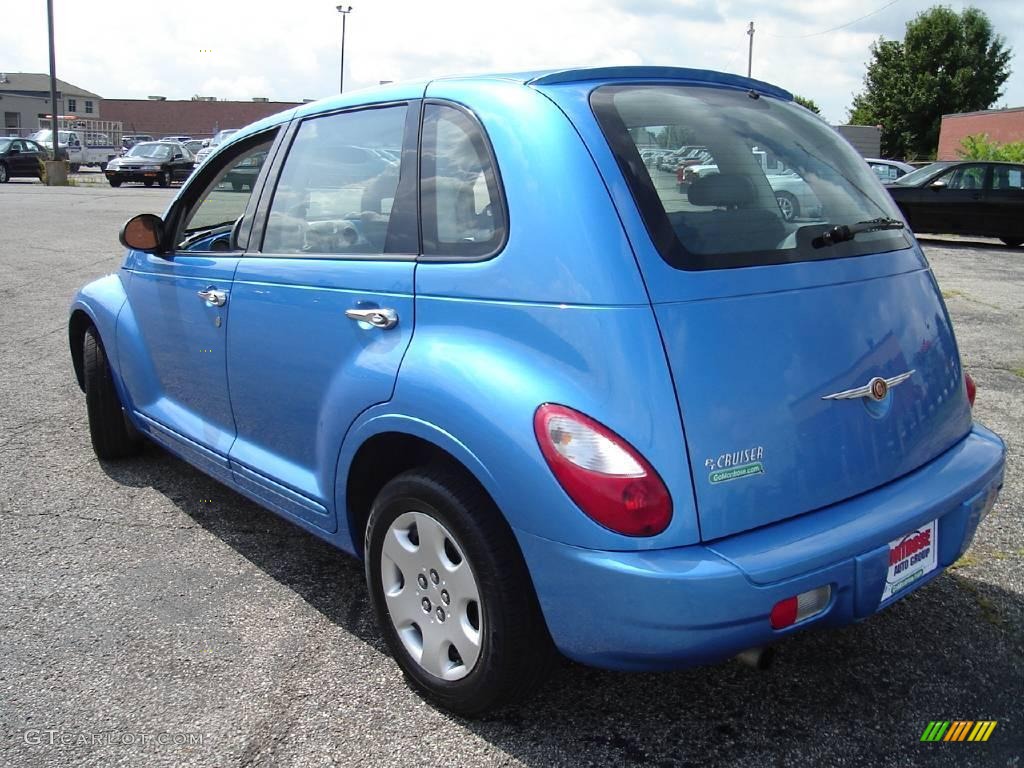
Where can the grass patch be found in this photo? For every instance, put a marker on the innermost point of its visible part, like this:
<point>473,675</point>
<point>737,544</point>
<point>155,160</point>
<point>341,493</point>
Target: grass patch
<point>952,293</point>
<point>967,561</point>
<point>1018,372</point>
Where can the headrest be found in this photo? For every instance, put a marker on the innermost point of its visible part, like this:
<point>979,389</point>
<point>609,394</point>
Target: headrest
<point>722,189</point>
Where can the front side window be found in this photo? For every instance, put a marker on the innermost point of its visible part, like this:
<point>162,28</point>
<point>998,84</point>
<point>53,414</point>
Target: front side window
<point>460,204</point>
<point>964,177</point>
<point>336,189</point>
<point>754,180</point>
<point>223,200</point>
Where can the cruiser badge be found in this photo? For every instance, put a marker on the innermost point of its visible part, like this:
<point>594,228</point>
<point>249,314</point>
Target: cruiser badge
<point>735,465</point>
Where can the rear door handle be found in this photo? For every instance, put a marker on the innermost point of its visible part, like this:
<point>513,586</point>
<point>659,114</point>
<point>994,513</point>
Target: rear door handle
<point>213,297</point>
<point>379,317</point>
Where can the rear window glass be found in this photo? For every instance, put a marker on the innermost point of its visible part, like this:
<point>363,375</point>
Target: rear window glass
<point>743,181</point>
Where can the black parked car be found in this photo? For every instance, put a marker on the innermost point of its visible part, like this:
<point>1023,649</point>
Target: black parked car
<point>964,198</point>
<point>151,162</point>
<point>21,157</point>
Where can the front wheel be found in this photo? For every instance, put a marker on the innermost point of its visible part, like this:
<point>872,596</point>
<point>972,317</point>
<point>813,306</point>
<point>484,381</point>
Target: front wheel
<point>1013,242</point>
<point>75,167</point>
<point>164,179</point>
<point>452,594</point>
<point>5,175</point>
<point>113,437</point>
<point>114,182</point>
<point>788,205</point>
<point>147,182</point>
<point>103,167</point>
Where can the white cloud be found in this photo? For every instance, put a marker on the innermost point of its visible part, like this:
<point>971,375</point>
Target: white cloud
<point>290,51</point>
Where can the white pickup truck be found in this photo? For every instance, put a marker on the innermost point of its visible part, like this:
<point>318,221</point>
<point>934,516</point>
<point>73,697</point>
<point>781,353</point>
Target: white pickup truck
<point>82,142</point>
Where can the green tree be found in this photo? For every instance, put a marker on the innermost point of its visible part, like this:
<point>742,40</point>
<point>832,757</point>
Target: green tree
<point>946,62</point>
<point>803,101</point>
<point>979,146</point>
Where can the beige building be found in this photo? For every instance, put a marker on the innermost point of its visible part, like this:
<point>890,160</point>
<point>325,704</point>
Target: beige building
<point>25,96</point>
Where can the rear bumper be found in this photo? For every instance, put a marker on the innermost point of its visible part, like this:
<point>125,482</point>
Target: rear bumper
<point>704,603</point>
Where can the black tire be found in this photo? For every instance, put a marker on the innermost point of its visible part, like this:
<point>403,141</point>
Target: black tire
<point>103,167</point>
<point>75,167</point>
<point>788,205</point>
<point>113,437</point>
<point>1013,242</point>
<point>5,175</point>
<point>164,179</point>
<point>516,652</point>
<point>147,182</point>
<point>114,182</point>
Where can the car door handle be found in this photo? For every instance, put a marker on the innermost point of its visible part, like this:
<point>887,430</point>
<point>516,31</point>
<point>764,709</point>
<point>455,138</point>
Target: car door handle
<point>214,297</point>
<point>378,317</point>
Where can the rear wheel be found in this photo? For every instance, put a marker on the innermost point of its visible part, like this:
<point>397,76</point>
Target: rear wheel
<point>114,182</point>
<point>1013,242</point>
<point>788,205</point>
<point>113,437</point>
<point>452,594</point>
<point>164,179</point>
<point>148,182</point>
<point>75,167</point>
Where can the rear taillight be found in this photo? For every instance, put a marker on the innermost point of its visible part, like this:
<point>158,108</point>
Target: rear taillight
<point>606,477</point>
<point>972,388</point>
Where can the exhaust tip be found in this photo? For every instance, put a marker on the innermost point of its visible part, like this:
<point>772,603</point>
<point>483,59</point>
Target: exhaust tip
<point>757,658</point>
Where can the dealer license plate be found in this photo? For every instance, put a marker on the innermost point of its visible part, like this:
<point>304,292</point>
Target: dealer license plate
<point>911,557</point>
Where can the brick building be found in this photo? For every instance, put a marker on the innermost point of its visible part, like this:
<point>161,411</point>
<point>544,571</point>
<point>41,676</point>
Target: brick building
<point>1001,125</point>
<point>197,118</point>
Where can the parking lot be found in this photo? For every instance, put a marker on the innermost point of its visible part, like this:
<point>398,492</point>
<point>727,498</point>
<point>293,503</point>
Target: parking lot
<point>150,616</point>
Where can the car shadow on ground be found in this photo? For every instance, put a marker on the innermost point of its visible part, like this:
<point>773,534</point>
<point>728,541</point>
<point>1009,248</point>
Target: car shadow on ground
<point>953,650</point>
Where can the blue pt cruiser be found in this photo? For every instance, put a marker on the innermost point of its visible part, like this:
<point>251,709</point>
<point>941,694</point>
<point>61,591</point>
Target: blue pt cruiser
<point>460,329</point>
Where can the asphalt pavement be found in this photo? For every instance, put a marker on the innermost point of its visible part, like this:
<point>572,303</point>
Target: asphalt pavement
<point>149,616</point>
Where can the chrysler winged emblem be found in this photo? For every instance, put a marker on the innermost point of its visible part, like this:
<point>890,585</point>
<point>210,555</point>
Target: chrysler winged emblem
<point>876,389</point>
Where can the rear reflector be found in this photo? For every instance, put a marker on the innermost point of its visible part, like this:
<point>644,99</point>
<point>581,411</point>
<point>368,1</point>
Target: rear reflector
<point>972,388</point>
<point>803,606</point>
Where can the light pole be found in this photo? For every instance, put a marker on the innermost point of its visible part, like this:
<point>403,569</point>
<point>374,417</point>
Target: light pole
<point>750,49</point>
<point>344,11</point>
<point>54,132</point>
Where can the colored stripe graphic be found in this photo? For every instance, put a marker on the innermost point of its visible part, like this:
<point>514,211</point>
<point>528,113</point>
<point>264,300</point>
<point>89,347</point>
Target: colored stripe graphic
<point>935,730</point>
<point>959,730</point>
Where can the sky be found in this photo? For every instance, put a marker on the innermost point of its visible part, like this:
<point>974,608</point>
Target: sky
<point>289,51</point>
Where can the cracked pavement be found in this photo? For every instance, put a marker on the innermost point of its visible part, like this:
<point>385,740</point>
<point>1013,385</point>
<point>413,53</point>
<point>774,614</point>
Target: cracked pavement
<point>142,598</point>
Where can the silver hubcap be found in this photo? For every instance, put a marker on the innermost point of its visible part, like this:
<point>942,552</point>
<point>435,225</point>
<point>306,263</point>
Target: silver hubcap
<point>786,206</point>
<point>432,595</point>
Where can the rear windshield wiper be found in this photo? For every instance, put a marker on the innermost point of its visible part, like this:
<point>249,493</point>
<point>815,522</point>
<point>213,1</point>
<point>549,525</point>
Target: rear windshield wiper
<point>844,232</point>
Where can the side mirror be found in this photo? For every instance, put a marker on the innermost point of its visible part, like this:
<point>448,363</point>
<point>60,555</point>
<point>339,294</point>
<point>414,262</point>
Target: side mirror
<point>14,151</point>
<point>206,142</point>
<point>143,233</point>
<point>937,185</point>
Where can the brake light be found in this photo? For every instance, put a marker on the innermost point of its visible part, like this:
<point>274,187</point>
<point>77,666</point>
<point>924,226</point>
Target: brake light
<point>972,388</point>
<point>607,478</point>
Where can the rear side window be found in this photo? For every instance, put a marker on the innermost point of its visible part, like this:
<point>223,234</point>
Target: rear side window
<point>338,185</point>
<point>749,180</point>
<point>461,206</point>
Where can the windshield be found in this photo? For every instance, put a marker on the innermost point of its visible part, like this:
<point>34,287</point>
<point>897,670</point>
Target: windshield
<point>221,136</point>
<point>914,178</point>
<point>150,150</point>
<point>757,181</point>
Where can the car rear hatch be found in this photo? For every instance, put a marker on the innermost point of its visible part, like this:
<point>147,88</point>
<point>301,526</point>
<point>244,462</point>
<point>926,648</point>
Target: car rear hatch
<point>767,327</point>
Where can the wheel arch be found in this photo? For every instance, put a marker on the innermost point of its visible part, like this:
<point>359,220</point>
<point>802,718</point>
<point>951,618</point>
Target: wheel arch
<point>384,447</point>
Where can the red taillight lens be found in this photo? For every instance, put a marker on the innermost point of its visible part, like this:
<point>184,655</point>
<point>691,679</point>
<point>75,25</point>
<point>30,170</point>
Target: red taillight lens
<point>606,477</point>
<point>803,606</point>
<point>972,388</point>
<point>784,613</point>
